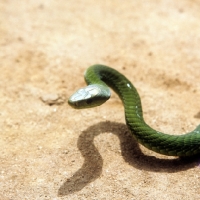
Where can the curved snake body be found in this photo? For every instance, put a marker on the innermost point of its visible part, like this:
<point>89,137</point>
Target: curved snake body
<point>98,77</point>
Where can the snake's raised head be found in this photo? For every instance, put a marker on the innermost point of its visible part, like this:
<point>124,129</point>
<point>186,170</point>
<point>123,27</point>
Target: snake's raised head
<point>90,96</point>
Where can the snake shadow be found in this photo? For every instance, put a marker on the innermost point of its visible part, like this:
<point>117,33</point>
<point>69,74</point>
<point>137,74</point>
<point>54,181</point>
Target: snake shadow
<point>93,162</point>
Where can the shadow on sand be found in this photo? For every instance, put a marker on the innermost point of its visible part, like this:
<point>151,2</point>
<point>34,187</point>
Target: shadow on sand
<point>93,162</point>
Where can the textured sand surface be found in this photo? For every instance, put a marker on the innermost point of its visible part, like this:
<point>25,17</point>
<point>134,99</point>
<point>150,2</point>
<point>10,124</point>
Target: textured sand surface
<point>51,151</point>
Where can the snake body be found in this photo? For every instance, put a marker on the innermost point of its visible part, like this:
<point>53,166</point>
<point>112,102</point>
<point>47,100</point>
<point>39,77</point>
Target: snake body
<point>98,78</point>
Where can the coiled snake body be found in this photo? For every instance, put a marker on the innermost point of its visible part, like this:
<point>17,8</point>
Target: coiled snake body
<point>97,92</point>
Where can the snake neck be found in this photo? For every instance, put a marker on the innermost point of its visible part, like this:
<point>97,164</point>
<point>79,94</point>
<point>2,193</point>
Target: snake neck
<point>103,75</point>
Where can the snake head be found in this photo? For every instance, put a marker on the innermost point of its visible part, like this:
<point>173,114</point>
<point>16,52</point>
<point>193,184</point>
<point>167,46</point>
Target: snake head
<point>90,96</point>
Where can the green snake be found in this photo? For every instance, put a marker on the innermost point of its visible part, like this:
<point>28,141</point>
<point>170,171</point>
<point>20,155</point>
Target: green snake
<point>98,78</point>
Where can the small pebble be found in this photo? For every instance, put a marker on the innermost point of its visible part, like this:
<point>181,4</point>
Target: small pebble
<point>52,99</point>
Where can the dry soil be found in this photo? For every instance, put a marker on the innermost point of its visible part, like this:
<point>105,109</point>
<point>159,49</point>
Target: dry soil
<point>51,151</point>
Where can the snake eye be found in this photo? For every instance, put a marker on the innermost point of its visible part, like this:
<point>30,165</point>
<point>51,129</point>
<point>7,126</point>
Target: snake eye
<point>89,101</point>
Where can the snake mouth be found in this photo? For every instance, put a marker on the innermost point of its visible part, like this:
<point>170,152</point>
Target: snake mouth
<point>73,104</point>
<point>80,104</point>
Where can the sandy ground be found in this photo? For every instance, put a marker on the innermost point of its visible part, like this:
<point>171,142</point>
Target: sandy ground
<point>51,151</point>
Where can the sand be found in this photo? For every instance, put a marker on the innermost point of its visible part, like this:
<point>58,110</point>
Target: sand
<point>51,151</point>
